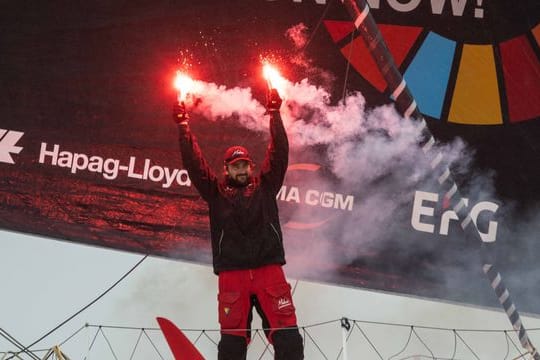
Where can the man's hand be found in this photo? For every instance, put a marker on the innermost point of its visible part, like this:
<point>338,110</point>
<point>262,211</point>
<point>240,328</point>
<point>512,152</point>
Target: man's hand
<point>274,101</point>
<point>180,115</point>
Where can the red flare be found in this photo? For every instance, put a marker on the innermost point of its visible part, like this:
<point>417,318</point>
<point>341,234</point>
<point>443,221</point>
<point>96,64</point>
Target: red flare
<point>273,77</point>
<point>183,85</point>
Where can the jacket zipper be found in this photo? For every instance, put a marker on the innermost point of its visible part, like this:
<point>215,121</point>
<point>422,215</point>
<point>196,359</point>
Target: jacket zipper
<point>220,240</point>
<point>277,233</point>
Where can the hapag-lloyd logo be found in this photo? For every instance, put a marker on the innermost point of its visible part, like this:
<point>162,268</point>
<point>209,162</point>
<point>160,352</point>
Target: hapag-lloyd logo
<point>111,168</point>
<point>8,145</point>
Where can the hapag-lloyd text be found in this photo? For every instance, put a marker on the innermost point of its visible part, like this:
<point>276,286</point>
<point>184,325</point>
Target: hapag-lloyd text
<point>110,168</point>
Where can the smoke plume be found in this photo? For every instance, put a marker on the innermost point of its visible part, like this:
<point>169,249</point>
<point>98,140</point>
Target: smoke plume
<point>370,152</point>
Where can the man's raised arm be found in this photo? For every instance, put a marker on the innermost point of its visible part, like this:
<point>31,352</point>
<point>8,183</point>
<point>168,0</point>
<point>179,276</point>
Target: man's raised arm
<point>277,155</point>
<point>199,172</point>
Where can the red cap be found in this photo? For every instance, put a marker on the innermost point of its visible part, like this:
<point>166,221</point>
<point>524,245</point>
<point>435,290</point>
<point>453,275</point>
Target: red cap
<point>236,153</point>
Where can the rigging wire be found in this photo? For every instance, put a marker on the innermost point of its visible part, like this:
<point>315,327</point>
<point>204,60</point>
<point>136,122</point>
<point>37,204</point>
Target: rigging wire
<point>317,26</point>
<point>266,348</point>
<point>327,323</point>
<point>209,338</point>
<point>404,347</point>
<point>152,343</point>
<point>108,343</point>
<point>348,67</point>
<point>423,342</point>
<point>83,308</point>
<point>309,338</point>
<point>72,335</point>
<point>342,349</point>
<point>507,345</point>
<point>92,343</point>
<point>17,344</point>
<point>517,348</point>
<point>455,344</point>
<point>136,344</point>
<point>294,287</point>
<point>368,340</point>
<point>314,342</point>
<point>467,345</point>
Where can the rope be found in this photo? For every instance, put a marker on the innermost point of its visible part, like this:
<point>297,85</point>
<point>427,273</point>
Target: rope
<point>315,343</point>
<point>423,342</point>
<point>368,340</point>
<point>455,345</point>
<point>317,26</point>
<point>294,287</point>
<point>267,345</point>
<point>75,333</point>
<point>404,347</point>
<point>506,337</point>
<point>310,341</point>
<point>348,68</point>
<point>108,343</point>
<point>17,344</point>
<point>209,338</point>
<point>92,343</point>
<point>84,308</point>
<point>136,344</point>
<point>516,347</point>
<point>153,345</point>
<point>322,323</point>
<point>344,321</point>
<point>467,345</point>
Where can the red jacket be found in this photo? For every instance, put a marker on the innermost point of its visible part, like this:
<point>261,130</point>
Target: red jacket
<point>244,221</point>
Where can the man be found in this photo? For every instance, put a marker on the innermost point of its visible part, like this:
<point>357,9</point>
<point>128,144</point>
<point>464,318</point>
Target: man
<point>247,243</point>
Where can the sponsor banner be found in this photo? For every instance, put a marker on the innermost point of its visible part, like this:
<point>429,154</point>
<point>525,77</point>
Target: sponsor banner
<point>89,153</point>
<point>111,168</point>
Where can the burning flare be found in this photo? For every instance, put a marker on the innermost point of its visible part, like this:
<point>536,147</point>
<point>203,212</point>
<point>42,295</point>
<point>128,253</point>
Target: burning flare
<point>183,84</point>
<point>273,78</point>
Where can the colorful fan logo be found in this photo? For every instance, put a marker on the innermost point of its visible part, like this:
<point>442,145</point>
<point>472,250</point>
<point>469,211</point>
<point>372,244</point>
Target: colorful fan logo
<point>462,82</point>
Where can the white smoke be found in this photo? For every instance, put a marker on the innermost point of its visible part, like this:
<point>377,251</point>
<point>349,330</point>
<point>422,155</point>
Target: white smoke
<point>217,101</point>
<point>374,153</point>
<point>298,34</point>
<point>361,144</point>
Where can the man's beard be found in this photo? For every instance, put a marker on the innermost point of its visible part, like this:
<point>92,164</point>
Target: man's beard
<point>239,180</point>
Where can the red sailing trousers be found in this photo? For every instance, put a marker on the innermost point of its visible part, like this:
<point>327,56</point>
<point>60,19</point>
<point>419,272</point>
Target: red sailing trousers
<point>264,288</point>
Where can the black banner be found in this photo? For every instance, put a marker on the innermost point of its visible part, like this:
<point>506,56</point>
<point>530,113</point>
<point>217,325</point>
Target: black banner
<point>88,151</point>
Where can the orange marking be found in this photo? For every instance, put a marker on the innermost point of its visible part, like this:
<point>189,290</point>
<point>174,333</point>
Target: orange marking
<point>476,95</point>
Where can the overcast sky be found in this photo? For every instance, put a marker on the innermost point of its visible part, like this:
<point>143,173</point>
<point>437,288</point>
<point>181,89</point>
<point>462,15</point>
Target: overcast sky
<point>44,281</point>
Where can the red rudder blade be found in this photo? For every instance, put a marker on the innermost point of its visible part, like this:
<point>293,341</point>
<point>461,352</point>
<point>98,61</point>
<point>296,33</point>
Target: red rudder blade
<point>180,345</point>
